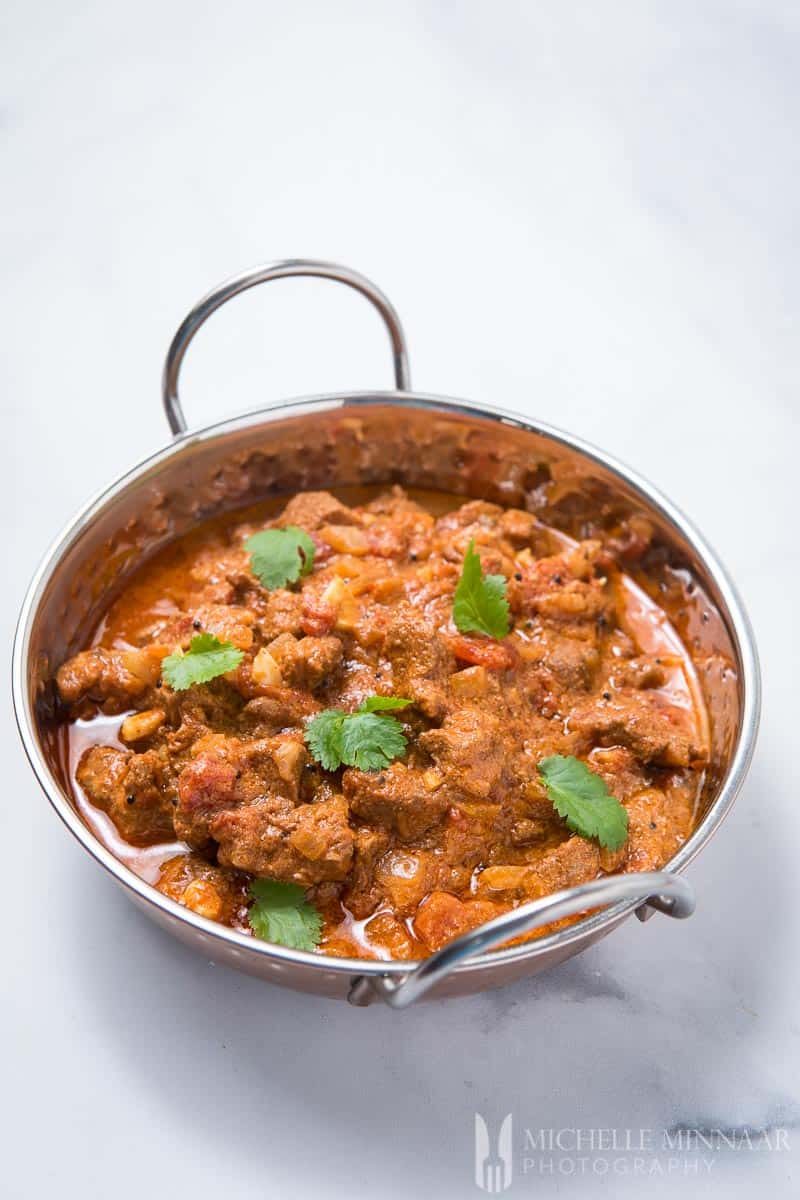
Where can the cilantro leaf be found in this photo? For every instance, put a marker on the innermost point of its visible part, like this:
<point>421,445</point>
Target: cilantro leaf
<point>479,603</point>
<point>382,703</point>
<point>583,800</point>
<point>371,742</point>
<point>363,739</point>
<point>206,658</point>
<point>324,738</point>
<point>280,556</point>
<point>280,913</point>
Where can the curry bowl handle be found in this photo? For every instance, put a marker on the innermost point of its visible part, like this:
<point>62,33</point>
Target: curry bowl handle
<point>659,890</point>
<point>277,270</point>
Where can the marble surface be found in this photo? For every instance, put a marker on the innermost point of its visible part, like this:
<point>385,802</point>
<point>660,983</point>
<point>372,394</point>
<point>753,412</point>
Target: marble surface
<point>584,212</point>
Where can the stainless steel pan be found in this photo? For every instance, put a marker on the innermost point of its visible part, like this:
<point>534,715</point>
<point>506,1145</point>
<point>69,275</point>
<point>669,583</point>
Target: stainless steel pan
<point>423,441</point>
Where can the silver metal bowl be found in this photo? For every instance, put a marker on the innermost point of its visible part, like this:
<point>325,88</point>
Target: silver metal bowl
<point>423,441</point>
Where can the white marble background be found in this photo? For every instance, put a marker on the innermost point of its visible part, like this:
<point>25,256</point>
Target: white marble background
<point>587,212</point>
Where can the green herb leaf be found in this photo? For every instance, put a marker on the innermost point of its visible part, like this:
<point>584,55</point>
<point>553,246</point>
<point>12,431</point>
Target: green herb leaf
<point>371,742</point>
<point>584,801</point>
<point>324,738</point>
<point>280,913</point>
<point>206,658</point>
<point>280,556</point>
<point>363,739</point>
<point>383,703</point>
<point>479,603</point>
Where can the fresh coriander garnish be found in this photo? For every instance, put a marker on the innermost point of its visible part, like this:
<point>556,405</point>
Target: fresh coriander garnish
<point>382,704</point>
<point>479,603</point>
<point>584,801</point>
<point>280,913</point>
<point>280,556</point>
<point>206,658</point>
<point>362,739</point>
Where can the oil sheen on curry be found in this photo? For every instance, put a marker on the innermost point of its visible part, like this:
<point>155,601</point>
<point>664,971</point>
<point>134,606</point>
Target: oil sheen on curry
<point>303,736</point>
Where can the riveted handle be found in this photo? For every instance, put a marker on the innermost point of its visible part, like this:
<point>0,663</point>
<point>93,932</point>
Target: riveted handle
<point>662,890</point>
<point>247,279</point>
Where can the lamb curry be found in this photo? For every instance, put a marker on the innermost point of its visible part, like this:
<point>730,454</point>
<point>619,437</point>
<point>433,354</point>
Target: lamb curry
<point>352,723</point>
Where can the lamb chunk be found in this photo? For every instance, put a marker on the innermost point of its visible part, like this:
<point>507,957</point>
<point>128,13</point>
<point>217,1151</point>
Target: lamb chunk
<point>273,839</point>
<point>282,613</point>
<point>562,587</point>
<point>642,672</point>
<point>574,861</point>
<point>652,729</point>
<point>398,527</point>
<point>659,822</point>
<point>624,775</point>
<point>363,895</point>
<point>442,917</point>
<point>307,661</point>
<point>402,533</point>
<point>230,774</point>
<point>228,622</point>
<point>396,799</point>
<point>632,539</point>
<point>572,662</point>
<point>133,789</point>
<point>207,786</point>
<point>480,522</point>
<point>469,751</point>
<point>478,513</point>
<point>573,603</point>
<point>471,827</point>
<point>520,527</point>
<point>395,502</point>
<point>312,510</point>
<point>110,675</point>
<point>277,708</point>
<point>421,660</point>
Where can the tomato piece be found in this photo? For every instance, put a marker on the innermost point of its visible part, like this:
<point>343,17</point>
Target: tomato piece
<point>483,652</point>
<point>318,618</point>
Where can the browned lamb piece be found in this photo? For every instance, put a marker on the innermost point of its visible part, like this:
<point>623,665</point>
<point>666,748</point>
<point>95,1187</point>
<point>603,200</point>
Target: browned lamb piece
<point>563,590</point>
<point>397,799</point>
<point>274,839</point>
<point>312,510</point>
<point>469,750</point>
<point>398,527</point>
<point>363,895</point>
<point>282,612</point>
<point>305,662</point>
<point>421,660</point>
<point>230,773</point>
<point>574,861</point>
<point>659,824</point>
<point>113,677</point>
<point>652,729</point>
<point>134,789</point>
<point>277,708</point>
